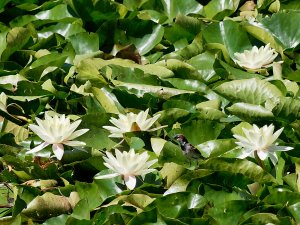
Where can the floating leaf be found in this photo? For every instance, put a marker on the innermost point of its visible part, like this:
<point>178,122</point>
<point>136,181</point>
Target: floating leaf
<point>245,167</point>
<point>46,206</point>
<point>253,91</point>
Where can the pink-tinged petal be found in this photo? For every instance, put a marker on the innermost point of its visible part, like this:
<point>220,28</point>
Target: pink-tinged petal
<point>58,150</point>
<point>38,148</point>
<point>107,176</point>
<point>130,181</point>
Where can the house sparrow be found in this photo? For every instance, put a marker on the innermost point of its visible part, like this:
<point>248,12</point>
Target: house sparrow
<point>188,149</point>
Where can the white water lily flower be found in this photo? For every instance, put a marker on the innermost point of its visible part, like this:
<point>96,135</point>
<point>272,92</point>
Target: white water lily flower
<point>256,58</point>
<point>261,140</point>
<point>58,131</point>
<point>128,165</point>
<point>131,122</point>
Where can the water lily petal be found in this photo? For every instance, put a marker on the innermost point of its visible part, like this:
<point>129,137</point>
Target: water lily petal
<point>262,154</point>
<point>130,181</point>
<point>38,148</point>
<point>58,150</point>
<point>107,176</point>
<point>40,132</point>
<point>131,122</point>
<point>74,143</point>
<point>273,157</point>
<point>78,133</point>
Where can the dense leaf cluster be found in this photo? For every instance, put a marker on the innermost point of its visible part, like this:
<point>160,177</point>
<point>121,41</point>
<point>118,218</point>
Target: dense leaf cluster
<point>94,59</point>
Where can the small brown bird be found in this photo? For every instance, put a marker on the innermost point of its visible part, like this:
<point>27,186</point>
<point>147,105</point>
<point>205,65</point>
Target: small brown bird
<point>188,149</point>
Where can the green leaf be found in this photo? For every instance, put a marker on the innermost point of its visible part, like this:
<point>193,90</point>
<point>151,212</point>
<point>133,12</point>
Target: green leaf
<point>287,108</point>
<point>183,30</point>
<point>215,148</point>
<point>153,69</point>
<point>56,13</point>
<point>19,132</point>
<point>107,100</point>
<point>85,43</point>
<point>226,71</point>
<point>88,71</point>
<point>253,91</point>
<point>59,220</point>
<point>46,206</point>
<point>65,29</point>
<point>263,35</point>
<point>228,33</point>
<point>282,27</point>
<point>204,64</point>
<point>218,9</point>
<point>181,184</point>
<point>199,131</point>
<point>149,41</point>
<point>250,112</point>
<point>177,205</point>
<point>172,153</point>
<point>262,218</point>
<point>90,193</point>
<point>9,220</point>
<point>282,197</point>
<point>295,211</point>
<point>172,8</point>
<point>170,172</point>
<point>16,39</point>
<point>82,210</point>
<point>142,89</point>
<point>50,61</point>
<point>290,5</point>
<point>109,213</point>
<point>136,143</point>
<point>96,137</point>
<point>230,212</point>
<point>94,13</point>
<point>236,166</point>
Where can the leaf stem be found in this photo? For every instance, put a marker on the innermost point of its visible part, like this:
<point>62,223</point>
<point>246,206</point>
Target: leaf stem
<point>259,161</point>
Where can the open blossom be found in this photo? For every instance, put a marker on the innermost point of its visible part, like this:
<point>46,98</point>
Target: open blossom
<point>57,131</point>
<point>256,58</point>
<point>128,165</point>
<point>261,140</point>
<point>131,122</point>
